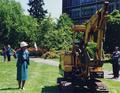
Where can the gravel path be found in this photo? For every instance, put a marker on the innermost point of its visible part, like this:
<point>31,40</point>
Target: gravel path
<point>107,74</point>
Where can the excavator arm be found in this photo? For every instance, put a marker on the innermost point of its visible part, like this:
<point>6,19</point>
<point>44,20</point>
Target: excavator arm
<point>94,31</point>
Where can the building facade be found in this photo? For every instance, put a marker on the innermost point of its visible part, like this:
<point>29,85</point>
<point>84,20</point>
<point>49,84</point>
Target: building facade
<point>82,10</point>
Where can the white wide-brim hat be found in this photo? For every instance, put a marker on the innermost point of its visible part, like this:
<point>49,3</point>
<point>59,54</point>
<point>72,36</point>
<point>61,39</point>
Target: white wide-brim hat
<point>23,44</point>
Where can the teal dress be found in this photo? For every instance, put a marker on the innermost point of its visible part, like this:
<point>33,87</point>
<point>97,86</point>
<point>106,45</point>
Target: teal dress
<point>22,64</point>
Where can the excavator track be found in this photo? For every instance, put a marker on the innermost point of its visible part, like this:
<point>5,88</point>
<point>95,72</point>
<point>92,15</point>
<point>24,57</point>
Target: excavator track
<point>93,86</point>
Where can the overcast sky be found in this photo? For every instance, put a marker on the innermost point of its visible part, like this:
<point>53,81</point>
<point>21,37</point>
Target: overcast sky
<point>54,7</point>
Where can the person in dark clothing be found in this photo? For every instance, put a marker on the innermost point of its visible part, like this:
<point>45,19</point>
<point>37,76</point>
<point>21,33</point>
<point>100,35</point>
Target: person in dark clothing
<point>115,62</point>
<point>4,50</point>
<point>9,50</point>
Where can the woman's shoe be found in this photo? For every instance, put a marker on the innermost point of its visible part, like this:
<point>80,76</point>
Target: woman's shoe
<point>22,88</point>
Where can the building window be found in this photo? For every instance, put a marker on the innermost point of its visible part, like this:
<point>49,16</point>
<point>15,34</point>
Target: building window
<point>67,3</point>
<point>99,6</point>
<point>88,11</point>
<point>111,7</point>
<point>75,2</point>
<point>82,10</point>
<point>118,5</point>
<point>75,13</point>
<point>87,1</point>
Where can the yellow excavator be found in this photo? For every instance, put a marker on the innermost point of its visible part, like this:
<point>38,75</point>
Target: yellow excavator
<point>77,67</point>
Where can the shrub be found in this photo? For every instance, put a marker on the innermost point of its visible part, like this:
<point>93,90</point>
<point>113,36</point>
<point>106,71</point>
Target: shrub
<point>108,58</point>
<point>51,54</point>
<point>36,53</point>
<point>91,48</point>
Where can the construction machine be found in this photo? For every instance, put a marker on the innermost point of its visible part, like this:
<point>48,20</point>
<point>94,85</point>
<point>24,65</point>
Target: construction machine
<point>77,67</point>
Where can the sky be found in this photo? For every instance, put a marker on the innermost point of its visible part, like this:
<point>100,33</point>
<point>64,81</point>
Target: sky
<point>54,7</point>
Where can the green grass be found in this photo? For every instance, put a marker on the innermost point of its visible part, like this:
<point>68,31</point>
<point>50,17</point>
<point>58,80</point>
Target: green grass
<point>107,66</point>
<point>113,86</point>
<point>42,79</point>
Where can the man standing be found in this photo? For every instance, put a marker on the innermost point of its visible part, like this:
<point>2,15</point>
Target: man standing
<point>115,62</point>
<point>9,50</point>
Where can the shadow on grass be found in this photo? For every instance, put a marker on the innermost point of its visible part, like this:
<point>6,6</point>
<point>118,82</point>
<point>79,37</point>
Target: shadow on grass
<point>1,89</point>
<point>54,89</point>
<point>50,89</point>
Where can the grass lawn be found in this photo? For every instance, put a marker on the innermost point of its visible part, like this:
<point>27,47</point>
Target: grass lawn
<point>42,79</point>
<point>107,67</point>
<point>113,86</point>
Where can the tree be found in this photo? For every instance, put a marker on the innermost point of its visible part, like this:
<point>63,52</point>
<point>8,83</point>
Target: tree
<point>55,35</point>
<point>46,28</point>
<point>25,29</point>
<point>64,26</point>
<point>8,12</point>
<point>64,21</point>
<point>15,26</point>
<point>113,31</point>
<point>36,9</point>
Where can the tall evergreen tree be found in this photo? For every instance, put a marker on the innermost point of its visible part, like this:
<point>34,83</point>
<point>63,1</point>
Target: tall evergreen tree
<point>36,9</point>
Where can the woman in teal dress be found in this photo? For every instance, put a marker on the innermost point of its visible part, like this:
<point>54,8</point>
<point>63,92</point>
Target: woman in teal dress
<point>22,64</point>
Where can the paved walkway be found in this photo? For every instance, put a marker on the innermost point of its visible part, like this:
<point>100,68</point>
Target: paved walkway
<point>45,61</point>
<point>107,74</point>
